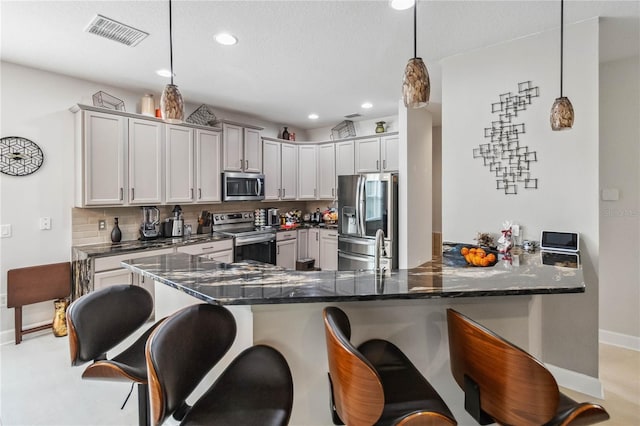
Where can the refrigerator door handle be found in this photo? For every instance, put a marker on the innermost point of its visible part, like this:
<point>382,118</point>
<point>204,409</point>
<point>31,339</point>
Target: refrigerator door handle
<point>361,204</point>
<point>360,241</point>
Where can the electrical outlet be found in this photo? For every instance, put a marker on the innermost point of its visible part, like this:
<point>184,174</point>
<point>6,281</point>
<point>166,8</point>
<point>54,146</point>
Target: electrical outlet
<point>3,300</point>
<point>5,231</point>
<point>102,225</point>
<point>45,223</point>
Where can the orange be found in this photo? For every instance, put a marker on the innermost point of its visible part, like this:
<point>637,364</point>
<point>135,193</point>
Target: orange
<point>481,254</point>
<point>491,257</point>
<point>473,250</point>
<point>464,250</point>
<point>480,251</point>
<point>485,261</point>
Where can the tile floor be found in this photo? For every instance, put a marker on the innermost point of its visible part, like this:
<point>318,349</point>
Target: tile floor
<point>39,387</point>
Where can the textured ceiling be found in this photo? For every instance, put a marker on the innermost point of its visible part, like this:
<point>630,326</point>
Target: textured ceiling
<point>293,57</point>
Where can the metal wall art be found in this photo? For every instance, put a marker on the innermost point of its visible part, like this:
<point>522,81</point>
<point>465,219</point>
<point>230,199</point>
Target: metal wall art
<point>19,156</point>
<point>506,158</point>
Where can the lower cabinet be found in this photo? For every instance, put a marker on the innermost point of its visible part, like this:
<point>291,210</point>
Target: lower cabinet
<point>222,251</point>
<point>328,250</point>
<point>303,243</point>
<point>286,249</point>
<point>313,246</point>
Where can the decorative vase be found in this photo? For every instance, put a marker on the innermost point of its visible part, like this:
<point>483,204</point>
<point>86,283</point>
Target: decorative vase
<point>285,134</point>
<point>116,234</point>
<point>380,127</point>
<point>148,105</point>
<point>59,318</point>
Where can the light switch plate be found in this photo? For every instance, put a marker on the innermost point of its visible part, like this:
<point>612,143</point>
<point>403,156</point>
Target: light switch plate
<point>45,223</point>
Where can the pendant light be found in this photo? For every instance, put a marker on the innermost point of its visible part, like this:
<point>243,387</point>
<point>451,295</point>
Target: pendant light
<point>171,102</point>
<point>561,110</point>
<point>416,87</point>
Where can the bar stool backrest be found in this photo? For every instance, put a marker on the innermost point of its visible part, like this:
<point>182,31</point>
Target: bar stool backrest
<point>514,387</point>
<point>357,388</point>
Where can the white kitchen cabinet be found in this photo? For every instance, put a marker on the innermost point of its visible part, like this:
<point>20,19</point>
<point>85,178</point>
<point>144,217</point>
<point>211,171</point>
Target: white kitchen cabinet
<point>221,251</point>
<point>326,171</point>
<point>207,166</point>
<point>376,154</point>
<point>280,166</point>
<point>307,172</point>
<point>145,161</point>
<point>241,148</point>
<point>101,145</point>
<point>114,277</point>
<point>345,158</point>
<point>303,243</point>
<point>313,245</point>
<point>389,153</point>
<point>329,249</point>
<point>179,164</point>
<point>286,249</point>
<point>367,155</point>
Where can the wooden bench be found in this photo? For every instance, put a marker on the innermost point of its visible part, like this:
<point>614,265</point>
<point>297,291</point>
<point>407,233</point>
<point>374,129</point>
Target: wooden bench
<point>35,284</point>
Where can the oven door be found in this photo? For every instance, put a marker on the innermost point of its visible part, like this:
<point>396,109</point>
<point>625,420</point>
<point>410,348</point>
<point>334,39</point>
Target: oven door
<point>261,249</point>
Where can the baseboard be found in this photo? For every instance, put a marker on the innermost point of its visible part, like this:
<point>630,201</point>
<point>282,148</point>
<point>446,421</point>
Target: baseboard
<point>618,339</point>
<point>577,381</point>
<point>9,336</point>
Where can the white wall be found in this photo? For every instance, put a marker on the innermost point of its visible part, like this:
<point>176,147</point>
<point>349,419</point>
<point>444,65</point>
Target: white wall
<point>620,220</point>
<point>35,105</point>
<point>363,127</point>
<point>567,167</point>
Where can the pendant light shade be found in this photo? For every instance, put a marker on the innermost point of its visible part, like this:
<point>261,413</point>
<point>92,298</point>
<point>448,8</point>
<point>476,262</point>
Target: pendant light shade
<point>171,102</point>
<point>562,115</point>
<point>416,86</point>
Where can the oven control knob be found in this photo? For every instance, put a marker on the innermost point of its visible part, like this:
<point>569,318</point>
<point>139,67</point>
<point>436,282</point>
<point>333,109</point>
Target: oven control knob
<point>221,217</point>
<point>246,215</point>
<point>217,217</point>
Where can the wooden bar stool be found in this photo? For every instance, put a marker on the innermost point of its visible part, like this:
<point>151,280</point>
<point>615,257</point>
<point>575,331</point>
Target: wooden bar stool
<point>99,321</point>
<point>375,383</point>
<point>255,389</point>
<point>504,384</point>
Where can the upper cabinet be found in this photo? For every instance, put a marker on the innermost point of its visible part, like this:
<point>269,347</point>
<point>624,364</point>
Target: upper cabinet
<point>327,171</point>
<point>101,146</point>
<point>345,158</point>
<point>289,171</point>
<point>241,147</point>
<point>207,169</point>
<point>379,154</point>
<point>280,169</point>
<point>122,159</point>
<point>307,175</point>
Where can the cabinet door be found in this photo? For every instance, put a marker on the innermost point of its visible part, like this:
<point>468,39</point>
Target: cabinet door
<point>303,243</point>
<point>252,151</point>
<point>271,169</point>
<point>103,174</point>
<point>179,185</point>
<point>345,158</point>
<point>367,155</point>
<point>146,283</point>
<point>224,256</point>
<point>389,153</point>
<point>307,158</point>
<point>289,171</point>
<point>232,147</point>
<point>117,276</point>
<point>207,166</point>
<point>326,171</point>
<point>313,247</point>
<point>286,252</point>
<point>328,250</point>
<point>145,162</point>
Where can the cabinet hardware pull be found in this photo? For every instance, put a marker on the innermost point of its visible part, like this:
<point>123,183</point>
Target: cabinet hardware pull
<point>199,193</point>
<point>377,164</point>
<point>132,194</point>
<point>246,162</point>
<point>279,192</point>
<point>284,192</point>
<point>384,164</point>
<point>317,236</point>
<point>191,193</point>
<point>121,194</point>
<point>314,193</point>
<point>278,250</point>
<point>333,192</point>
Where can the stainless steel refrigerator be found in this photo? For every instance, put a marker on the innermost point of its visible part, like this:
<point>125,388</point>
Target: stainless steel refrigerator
<point>367,202</point>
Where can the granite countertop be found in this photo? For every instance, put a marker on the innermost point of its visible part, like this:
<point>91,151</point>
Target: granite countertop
<point>253,283</point>
<point>123,247</point>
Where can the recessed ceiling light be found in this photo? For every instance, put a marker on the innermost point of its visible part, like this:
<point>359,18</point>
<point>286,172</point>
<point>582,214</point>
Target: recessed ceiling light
<point>401,4</point>
<point>164,73</point>
<point>367,105</point>
<point>313,116</point>
<point>225,39</point>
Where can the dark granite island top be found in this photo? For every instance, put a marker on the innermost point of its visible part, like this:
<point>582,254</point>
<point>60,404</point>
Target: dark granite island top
<point>254,283</point>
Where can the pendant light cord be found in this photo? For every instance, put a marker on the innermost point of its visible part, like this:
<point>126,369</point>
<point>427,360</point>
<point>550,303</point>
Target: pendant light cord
<point>171,43</point>
<point>415,26</point>
<point>561,41</point>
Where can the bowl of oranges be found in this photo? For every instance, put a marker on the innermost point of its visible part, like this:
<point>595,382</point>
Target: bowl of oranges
<point>478,256</point>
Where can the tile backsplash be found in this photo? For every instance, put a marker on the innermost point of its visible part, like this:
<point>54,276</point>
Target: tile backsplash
<point>84,221</point>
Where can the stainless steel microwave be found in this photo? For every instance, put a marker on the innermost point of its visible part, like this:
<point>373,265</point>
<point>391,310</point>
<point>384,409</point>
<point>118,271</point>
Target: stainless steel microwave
<point>237,186</point>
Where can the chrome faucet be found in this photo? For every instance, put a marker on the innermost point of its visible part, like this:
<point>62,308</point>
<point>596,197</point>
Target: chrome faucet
<point>379,250</point>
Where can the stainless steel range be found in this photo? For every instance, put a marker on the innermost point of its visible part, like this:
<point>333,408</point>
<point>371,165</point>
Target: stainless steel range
<point>250,243</point>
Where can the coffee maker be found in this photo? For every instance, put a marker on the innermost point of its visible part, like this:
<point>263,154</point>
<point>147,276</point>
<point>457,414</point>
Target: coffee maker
<point>149,229</point>
<point>173,225</point>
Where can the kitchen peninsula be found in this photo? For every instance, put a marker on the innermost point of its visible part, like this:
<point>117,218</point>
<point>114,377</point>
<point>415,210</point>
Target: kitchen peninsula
<point>283,308</point>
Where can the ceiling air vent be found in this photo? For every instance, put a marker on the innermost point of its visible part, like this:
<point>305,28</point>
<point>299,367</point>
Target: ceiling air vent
<point>354,115</point>
<point>116,31</point>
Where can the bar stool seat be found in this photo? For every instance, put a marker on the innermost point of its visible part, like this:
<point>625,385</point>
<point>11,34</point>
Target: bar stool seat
<point>376,383</point>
